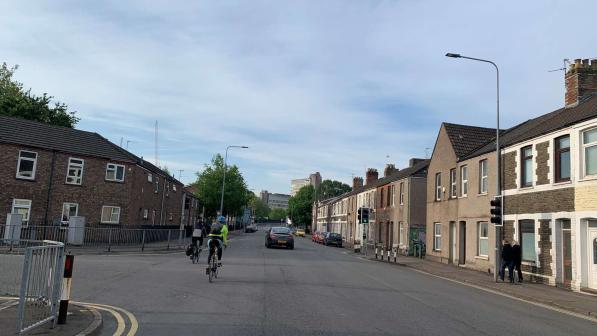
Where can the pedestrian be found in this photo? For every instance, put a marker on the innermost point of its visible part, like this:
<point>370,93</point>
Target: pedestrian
<point>517,259</point>
<point>507,261</point>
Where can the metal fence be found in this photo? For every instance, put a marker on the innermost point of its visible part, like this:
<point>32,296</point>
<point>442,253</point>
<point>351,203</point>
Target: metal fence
<point>32,271</point>
<point>108,239</point>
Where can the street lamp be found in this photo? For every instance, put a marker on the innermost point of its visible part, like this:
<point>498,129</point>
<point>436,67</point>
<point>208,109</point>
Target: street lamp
<point>497,153</point>
<point>224,179</point>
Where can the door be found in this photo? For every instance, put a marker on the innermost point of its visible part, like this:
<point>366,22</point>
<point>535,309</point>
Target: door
<point>452,256</point>
<point>390,235</point>
<point>566,253</point>
<point>462,244</point>
<point>592,258</point>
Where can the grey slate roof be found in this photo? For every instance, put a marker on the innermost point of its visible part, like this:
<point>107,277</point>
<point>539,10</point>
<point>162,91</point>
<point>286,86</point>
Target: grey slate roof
<point>67,140</point>
<point>541,125</point>
<point>466,138</point>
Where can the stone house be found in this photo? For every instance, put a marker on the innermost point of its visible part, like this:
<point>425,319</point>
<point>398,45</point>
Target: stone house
<point>49,173</point>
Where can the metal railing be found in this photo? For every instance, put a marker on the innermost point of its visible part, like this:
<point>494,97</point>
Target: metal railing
<point>32,271</point>
<point>108,239</point>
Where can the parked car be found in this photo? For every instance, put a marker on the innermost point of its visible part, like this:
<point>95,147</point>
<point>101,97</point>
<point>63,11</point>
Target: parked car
<point>300,233</point>
<point>279,236</point>
<point>320,236</point>
<point>251,228</point>
<point>331,238</point>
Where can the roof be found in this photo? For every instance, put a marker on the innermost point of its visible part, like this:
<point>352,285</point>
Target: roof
<point>547,123</point>
<point>466,138</point>
<point>35,134</point>
<point>68,140</point>
<point>418,169</point>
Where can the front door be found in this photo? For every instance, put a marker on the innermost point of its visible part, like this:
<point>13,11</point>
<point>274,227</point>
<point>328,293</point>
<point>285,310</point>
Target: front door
<point>593,258</point>
<point>462,244</point>
<point>452,242</point>
<point>390,235</point>
<point>566,253</point>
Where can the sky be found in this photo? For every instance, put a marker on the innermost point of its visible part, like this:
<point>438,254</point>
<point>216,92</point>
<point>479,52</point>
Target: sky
<point>328,86</point>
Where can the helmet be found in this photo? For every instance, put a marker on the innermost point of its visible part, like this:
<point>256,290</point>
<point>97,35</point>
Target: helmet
<point>221,219</point>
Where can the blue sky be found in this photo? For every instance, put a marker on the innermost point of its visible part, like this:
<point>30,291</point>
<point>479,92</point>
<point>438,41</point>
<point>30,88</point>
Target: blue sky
<point>334,86</point>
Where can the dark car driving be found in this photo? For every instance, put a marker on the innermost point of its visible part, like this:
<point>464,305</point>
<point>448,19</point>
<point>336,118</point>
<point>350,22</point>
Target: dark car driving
<point>279,236</point>
<point>331,238</point>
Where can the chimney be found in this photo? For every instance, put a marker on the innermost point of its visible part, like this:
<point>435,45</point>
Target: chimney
<point>371,176</point>
<point>581,81</point>
<point>357,182</point>
<point>414,161</point>
<point>389,169</point>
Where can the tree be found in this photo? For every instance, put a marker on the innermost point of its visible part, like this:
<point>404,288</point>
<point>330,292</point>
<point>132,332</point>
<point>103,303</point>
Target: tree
<point>329,188</point>
<point>300,206</point>
<point>260,208</point>
<point>209,186</point>
<point>277,214</point>
<point>15,101</point>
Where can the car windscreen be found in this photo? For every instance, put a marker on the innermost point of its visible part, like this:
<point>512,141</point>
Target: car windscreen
<point>335,235</point>
<point>280,230</point>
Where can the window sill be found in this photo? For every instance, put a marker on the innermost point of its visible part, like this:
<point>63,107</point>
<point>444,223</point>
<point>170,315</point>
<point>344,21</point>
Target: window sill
<point>588,178</point>
<point>528,263</point>
<point>115,181</point>
<point>561,183</point>
<point>25,179</point>
<point>482,194</point>
<point>74,184</point>
<point>482,257</point>
<point>526,188</point>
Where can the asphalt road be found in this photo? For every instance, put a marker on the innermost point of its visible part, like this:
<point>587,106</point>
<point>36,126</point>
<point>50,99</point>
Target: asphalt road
<point>311,290</point>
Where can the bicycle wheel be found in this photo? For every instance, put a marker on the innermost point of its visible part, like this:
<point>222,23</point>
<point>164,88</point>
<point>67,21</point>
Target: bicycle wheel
<point>211,269</point>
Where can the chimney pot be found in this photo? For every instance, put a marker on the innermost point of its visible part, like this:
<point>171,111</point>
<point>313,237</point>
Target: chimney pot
<point>389,169</point>
<point>371,176</point>
<point>357,182</point>
<point>581,81</point>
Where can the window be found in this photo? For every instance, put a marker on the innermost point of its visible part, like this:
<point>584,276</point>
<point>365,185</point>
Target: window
<point>438,186</point>
<point>562,158</point>
<point>115,172</point>
<point>589,144</point>
<point>174,188</point>
<point>22,207</point>
<point>393,194</point>
<point>437,236</point>
<point>26,165</point>
<point>389,200</point>
<point>527,240</point>
<point>381,197</point>
<point>68,210</point>
<point>483,243</point>
<point>157,184</point>
<point>453,183</point>
<point>483,176</point>
<point>110,214</point>
<point>74,172</point>
<point>145,213</point>
<point>401,233</point>
<point>149,178</point>
<point>401,193</point>
<point>526,166</point>
<point>463,181</point>
<point>167,189</point>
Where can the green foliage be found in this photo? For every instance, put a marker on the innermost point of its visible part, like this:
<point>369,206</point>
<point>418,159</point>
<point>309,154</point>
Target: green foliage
<point>329,188</point>
<point>15,101</point>
<point>209,186</point>
<point>300,206</point>
<point>166,170</point>
<point>260,208</point>
<point>277,214</point>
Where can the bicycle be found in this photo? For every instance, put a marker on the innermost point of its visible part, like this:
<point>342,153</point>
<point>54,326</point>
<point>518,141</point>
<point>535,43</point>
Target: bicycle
<point>195,254</point>
<point>212,270</point>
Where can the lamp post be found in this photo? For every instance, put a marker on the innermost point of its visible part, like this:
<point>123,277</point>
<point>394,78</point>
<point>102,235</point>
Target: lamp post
<point>498,159</point>
<point>224,179</point>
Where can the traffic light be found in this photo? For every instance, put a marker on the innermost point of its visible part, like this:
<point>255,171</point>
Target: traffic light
<point>365,216</point>
<point>359,214</point>
<point>496,210</point>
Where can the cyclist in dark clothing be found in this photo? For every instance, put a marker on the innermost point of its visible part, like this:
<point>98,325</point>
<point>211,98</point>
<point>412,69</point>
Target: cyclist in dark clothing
<point>517,259</point>
<point>507,261</point>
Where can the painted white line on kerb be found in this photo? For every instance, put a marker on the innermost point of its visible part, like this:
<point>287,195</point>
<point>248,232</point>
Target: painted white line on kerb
<point>538,304</point>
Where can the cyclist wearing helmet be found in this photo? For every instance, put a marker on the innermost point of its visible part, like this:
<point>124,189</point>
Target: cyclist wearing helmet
<point>217,236</point>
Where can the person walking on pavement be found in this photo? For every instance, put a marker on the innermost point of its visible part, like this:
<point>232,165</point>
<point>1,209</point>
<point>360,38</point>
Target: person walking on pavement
<point>507,261</point>
<point>517,259</point>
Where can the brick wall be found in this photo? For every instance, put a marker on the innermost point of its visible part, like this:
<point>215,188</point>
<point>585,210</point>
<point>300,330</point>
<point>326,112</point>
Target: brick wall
<point>509,168</point>
<point>540,202</point>
<point>542,169</point>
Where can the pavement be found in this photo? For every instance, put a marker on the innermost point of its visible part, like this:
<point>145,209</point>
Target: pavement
<point>579,303</point>
<point>311,290</point>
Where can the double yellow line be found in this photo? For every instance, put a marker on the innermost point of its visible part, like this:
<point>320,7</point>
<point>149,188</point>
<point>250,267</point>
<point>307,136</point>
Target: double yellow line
<point>116,312</point>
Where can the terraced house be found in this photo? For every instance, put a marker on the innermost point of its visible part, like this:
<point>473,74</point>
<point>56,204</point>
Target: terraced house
<point>50,173</point>
<point>550,187</point>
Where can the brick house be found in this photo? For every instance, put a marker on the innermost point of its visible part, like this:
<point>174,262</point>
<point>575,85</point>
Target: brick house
<point>49,173</point>
<point>549,178</point>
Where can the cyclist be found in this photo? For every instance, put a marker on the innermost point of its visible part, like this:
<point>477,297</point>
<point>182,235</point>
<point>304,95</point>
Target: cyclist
<point>198,234</point>
<point>217,237</point>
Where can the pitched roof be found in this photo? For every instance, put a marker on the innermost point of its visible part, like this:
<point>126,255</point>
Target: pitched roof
<point>466,138</point>
<point>418,169</point>
<point>68,140</point>
<point>547,123</point>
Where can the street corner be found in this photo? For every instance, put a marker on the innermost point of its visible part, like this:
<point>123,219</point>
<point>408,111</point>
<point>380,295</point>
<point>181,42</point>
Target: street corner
<point>115,321</point>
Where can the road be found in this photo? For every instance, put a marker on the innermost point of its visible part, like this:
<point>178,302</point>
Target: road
<point>312,290</point>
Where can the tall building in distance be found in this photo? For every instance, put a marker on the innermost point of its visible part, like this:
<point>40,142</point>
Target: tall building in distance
<point>296,184</point>
<point>274,200</point>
